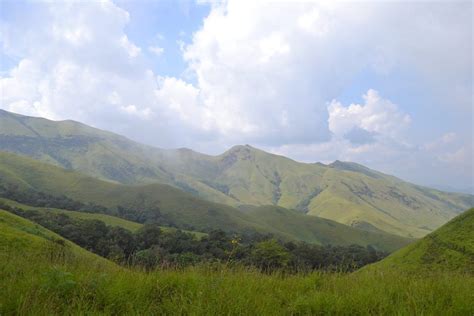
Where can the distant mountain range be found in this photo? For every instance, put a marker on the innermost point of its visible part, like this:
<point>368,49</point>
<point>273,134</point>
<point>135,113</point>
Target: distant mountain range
<point>166,204</point>
<point>242,177</point>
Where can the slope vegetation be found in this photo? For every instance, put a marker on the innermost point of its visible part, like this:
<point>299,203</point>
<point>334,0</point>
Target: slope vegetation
<point>183,209</point>
<point>344,192</point>
<point>311,228</point>
<point>109,220</point>
<point>39,277</point>
<point>449,248</point>
<point>21,236</point>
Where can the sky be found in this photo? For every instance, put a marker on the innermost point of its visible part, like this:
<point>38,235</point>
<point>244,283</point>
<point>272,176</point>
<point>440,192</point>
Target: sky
<point>388,84</point>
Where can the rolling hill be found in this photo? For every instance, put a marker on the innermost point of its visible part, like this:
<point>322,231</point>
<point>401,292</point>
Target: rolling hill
<point>22,236</point>
<point>345,192</point>
<point>184,209</point>
<point>109,220</point>
<point>449,248</point>
<point>43,274</point>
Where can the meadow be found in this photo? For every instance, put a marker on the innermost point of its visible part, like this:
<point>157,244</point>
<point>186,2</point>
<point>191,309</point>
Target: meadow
<point>80,287</point>
<point>43,274</point>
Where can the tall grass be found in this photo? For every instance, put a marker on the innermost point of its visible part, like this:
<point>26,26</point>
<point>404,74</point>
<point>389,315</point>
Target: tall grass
<point>37,283</point>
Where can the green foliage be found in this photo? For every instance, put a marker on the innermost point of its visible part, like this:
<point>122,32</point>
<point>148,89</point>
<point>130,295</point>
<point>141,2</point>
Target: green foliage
<point>166,205</point>
<point>88,285</point>
<point>450,248</point>
<point>58,283</point>
<point>150,247</point>
<point>347,193</point>
<point>270,255</point>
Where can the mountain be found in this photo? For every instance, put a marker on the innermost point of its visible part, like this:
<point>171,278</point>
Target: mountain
<point>449,248</point>
<point>180,208</point>
<point>345,192</point>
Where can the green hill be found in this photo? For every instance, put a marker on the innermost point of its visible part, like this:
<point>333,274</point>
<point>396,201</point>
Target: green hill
<point>183,209</point>
<point>449,248</point>
<point>42,274</point>
<point>312,228</point>
<point>22,236</point>
<point>345,192</point>
<point>107,219</point>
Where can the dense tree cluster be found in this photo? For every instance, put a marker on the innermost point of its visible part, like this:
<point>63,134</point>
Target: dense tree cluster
<point>151,247</point>
<point>40,199</point>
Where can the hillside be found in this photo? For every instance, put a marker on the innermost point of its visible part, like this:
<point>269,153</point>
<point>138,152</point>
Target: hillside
<point>286,223</point>
<point>107,219</point>
<point>22,236</point>
<point>311,228</point>
<point>181,208</point>
<point>449,248</point>
<point>345,192</point>
<point>40,279</point>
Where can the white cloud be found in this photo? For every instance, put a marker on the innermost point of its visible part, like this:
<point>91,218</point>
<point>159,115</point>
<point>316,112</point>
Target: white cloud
<point>133,110</point>
<point>377,115</point>
<point>263,73</point>
<point>158,51</point>
<point>88,71</point>
<point>132,50</point>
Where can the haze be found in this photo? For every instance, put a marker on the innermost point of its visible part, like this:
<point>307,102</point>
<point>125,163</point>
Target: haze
<point>388,85</point>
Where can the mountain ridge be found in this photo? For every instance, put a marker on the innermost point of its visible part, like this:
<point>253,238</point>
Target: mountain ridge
<point>165,203</point>
<point>346,192</point>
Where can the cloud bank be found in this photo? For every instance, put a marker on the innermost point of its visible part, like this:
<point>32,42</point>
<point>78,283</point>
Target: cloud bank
<point>259,72</point>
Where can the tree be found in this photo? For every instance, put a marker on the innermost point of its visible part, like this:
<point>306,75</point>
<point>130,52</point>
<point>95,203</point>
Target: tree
<point>269,255</point>
<point>148,236</point>
<point>122,239</point>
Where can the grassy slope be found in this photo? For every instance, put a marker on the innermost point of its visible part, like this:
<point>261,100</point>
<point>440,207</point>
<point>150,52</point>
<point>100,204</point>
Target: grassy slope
<point>344,192</point>
<point>19,234</point>
<point>36,283</point>
<point>181,207</point>
<point>107,219</point>
<point>311,228</point>
<point>449,248</point>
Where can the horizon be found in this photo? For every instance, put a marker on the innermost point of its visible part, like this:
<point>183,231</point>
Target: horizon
<point>314,82</point>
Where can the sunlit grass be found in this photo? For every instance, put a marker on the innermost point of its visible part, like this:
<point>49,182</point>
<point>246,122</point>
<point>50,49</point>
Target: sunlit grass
<point>40,274</point>
<point>37,283</point>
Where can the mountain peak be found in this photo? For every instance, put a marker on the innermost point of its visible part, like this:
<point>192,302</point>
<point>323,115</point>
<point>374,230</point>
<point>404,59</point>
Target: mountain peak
<point>241,147</point>
<point>241,150</point>
<point>238,152</point>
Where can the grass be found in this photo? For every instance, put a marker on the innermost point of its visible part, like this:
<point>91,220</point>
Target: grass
<point>344,192</point>
<point>184,209</point>
<point>450,247</point>
<point>35,282</point>
<point>312,228</point>
<point>107,219</point>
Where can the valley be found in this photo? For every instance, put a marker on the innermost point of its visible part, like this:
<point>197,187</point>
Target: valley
<point>344,192</point>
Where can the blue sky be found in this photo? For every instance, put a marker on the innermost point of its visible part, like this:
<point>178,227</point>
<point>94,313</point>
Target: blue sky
<point>164,24</point>
<point>313,80</point>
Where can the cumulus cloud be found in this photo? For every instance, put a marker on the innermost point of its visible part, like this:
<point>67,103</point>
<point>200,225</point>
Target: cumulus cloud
<point>377,116</point>
<point>81,65</point>
<point>263,72</point>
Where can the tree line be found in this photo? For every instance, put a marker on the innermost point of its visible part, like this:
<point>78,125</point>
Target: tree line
<point>40,199</point>
<point>151,247</point>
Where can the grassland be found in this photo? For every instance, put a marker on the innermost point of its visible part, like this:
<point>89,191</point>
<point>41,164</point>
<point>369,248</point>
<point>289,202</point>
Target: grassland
<point>107,219</point>
<point>40,276</point>
<point>185,209</point>
<point>450,248</point>
<point>344,192</point>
